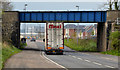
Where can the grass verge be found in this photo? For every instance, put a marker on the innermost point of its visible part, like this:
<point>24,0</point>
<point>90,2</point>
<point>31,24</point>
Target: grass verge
<point>84,45</point>
<point>112,52</point>
<point>23,45</point>
<point>7,52</point>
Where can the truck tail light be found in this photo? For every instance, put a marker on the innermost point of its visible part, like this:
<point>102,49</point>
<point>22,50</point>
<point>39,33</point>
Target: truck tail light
<point>61,47</point>
<point>48,47</point>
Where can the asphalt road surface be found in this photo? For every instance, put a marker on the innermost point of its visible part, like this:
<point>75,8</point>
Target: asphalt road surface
<point>34,57</point>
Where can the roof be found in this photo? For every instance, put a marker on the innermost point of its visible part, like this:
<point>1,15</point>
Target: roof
<point>90,29</point>
<point>73,26</point>
<point>82,28</point>
<point>70,26</point>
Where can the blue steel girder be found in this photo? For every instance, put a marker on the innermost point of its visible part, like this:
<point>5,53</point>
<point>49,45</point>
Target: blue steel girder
<point>63,16</point>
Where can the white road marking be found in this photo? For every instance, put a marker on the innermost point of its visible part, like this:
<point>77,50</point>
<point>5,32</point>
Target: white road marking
<point>86,53</point>
<point>87,60</point>
<point>110,59</point>
<point>73,56</point>
<point>53,61</point>
<point>97,63</point>
<point>80,58</point>
<point>92,62</point>
<point>109,66</point>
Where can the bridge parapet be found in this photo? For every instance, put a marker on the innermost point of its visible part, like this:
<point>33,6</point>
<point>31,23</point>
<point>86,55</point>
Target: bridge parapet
<point>113,15</point>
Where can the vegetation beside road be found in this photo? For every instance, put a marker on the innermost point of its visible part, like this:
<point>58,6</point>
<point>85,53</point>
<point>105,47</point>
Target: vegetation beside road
<point>7,51</point>
<point>112,52</point>
<point>115,44</point>
<point>22,45</point>
<point>90,45</point>
<point>84,45</point>
<point>0,55</point>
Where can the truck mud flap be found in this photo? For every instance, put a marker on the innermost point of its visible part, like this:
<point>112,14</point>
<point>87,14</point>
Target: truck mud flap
<point>52,52</point>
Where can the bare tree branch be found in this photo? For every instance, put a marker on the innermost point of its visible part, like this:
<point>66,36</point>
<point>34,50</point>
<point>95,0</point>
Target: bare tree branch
<point>6,5</point>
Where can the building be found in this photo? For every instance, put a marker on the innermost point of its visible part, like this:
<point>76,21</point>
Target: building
<point>81,31</point>
<point>69,30</point>
<point>32,30</point>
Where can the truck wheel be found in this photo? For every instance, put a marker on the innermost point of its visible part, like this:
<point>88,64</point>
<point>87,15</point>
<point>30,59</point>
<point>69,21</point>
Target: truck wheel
<point>61,53</point>
<point>47,53</point>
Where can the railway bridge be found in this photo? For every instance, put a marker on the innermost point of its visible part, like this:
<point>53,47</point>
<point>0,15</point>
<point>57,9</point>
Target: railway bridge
<point>12,19</point>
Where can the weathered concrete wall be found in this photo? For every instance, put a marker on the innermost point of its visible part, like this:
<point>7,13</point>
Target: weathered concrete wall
<point>112,16</point>
<point>11,28</point>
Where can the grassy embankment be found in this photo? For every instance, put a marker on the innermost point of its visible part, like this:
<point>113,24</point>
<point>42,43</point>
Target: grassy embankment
<point>112,52</point>
<point>7,51</point>
<point>115,44</point>
<point>88,45</point>
<point>0,55</point>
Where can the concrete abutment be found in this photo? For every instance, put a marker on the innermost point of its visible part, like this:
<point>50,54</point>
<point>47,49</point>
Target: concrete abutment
<point>11,28</point>
<point>101,36</point>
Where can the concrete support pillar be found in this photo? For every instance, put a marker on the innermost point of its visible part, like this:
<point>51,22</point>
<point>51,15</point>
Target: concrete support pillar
<point>101,36</point>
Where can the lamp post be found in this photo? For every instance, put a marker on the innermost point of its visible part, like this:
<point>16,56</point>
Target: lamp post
<point>77,7</point>
<point>25,7</point>
<point>77,26</point>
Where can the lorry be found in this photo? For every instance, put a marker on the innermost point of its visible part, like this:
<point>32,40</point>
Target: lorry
<point>54,38</point>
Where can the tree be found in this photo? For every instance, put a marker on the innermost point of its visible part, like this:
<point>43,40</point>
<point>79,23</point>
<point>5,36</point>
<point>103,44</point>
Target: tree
<point>74,35</point>
<point>93,32</point>
<point>107,5</point>
<point>6,5</point>
<point>115,38</point>
<point>111,5</point>
<point>80,33</point>
<point>116,5</point>
<point>119,5</point>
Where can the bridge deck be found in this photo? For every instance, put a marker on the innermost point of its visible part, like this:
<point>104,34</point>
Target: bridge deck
<point>63,16</point>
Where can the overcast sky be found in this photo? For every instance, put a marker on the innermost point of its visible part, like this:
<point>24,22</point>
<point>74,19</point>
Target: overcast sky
<point>59,6</point>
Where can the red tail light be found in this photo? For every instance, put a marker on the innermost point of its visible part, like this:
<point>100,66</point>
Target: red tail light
<point>60,51</point>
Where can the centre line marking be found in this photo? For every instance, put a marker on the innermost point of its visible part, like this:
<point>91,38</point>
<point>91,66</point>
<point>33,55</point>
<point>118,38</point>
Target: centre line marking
<point>109,66</point>
<point>80,58</point>
<point>73,56</point>
<point>87,60</point>
<point>97,63</point>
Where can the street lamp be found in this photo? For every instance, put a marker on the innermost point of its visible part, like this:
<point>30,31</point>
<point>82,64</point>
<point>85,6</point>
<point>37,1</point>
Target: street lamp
<point>25,6</point>
<point>77,26</point>
<point>77,7</point>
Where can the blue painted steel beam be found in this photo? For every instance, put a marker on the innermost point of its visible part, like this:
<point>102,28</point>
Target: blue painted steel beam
<point>63,16</point>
